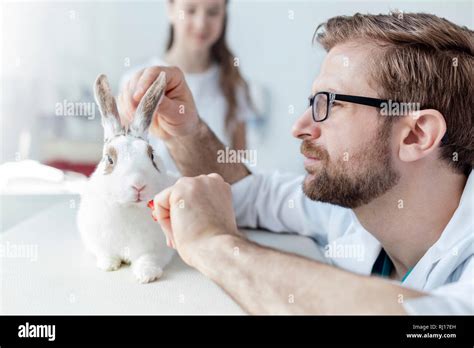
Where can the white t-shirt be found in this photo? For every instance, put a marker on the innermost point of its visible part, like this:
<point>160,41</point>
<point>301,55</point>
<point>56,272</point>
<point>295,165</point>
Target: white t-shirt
<point>210,103</point>
<point>277,203</point>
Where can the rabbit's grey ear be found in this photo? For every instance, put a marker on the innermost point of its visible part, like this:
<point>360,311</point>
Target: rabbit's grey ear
<point>107,106</point>
<point>145,110</point>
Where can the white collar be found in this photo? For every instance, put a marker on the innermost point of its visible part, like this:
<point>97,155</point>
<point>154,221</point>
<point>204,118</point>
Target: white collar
<point>459,227</point>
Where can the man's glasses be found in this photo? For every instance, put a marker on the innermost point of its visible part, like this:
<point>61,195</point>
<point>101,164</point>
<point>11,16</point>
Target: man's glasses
<point>321,103</point>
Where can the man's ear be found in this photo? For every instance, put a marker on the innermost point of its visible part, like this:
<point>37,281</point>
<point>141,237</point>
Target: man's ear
<point>421,134</point>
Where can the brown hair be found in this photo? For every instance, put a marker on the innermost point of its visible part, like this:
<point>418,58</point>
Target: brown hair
<point>426,59</point>
<point>230,78</point>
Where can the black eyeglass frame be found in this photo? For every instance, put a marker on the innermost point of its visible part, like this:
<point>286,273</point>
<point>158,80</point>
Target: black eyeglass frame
<point>331,97</point>
<point>374,102</point>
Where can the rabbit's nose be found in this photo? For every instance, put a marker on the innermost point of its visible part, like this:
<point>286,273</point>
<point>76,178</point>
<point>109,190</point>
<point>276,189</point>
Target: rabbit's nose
<point>138,188</point>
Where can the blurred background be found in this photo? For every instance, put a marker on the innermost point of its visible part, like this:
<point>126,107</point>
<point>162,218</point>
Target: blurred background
<point>52,51</point>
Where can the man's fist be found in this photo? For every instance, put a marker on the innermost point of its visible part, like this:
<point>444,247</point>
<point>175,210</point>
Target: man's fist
<point>193,211</point>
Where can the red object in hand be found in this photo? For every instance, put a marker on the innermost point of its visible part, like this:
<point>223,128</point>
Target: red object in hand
<point>151,205</point>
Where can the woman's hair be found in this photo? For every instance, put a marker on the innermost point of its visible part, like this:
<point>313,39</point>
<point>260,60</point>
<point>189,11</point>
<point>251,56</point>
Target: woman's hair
<point>422,58</point>
<point>230,78</point>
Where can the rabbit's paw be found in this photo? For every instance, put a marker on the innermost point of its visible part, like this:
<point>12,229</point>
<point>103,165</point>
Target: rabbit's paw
<point>146,269</point>
<point>107,263</point>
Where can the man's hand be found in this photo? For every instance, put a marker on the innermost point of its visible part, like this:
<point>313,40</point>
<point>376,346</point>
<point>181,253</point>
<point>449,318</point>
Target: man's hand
<point>197,217</point>
<point>175,116</point>
<point>192,145</point>
<point>193,212</point>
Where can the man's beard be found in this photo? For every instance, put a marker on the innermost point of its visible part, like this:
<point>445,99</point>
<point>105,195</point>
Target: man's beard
<point>366,175</point>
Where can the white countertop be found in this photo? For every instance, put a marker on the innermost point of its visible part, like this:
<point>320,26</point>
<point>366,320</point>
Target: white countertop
<point>54,275</point>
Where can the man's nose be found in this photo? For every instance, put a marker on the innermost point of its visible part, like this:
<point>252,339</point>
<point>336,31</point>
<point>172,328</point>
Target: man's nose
<point>305,127</point>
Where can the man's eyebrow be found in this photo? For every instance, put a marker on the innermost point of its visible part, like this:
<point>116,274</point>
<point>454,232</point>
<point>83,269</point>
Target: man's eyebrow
<point>334,84</point>
<point>325,89</point>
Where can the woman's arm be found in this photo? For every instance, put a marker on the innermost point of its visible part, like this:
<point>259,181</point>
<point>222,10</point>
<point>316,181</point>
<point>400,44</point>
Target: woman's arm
<point>239,141</point>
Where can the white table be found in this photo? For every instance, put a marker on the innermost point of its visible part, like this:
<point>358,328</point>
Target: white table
<point>54,275</point>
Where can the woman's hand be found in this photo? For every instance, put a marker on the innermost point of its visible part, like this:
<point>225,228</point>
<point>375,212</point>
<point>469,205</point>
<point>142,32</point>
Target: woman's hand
<point>176,115</point>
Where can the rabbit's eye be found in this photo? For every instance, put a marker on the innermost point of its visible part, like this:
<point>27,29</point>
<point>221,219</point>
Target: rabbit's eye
<point>152,157</point>
<point>110,158</point>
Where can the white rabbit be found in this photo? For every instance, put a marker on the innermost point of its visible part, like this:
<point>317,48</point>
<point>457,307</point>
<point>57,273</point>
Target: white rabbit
<point>113,218</point>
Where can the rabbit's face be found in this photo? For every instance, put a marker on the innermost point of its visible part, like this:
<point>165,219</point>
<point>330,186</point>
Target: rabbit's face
<point>132,174</point>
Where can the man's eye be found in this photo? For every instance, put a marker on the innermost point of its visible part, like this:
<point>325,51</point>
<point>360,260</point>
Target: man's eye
<point>152,156</point>
<point>336,104</point>
<point>109,159</point>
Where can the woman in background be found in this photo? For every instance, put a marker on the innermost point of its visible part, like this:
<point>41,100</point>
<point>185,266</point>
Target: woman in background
<point>197,45</point>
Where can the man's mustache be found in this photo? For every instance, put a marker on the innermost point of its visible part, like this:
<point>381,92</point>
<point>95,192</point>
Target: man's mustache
<point>310,150</point>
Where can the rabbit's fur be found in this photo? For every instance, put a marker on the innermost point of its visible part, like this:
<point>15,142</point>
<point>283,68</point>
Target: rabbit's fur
<point>113,219</point>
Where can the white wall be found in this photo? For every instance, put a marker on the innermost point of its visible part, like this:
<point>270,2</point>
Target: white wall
<point>54,50</point>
